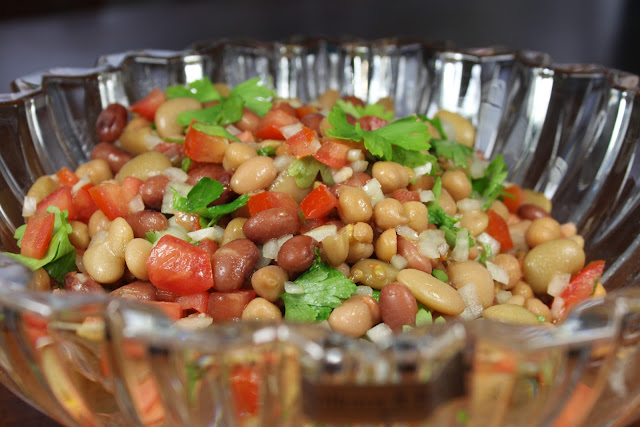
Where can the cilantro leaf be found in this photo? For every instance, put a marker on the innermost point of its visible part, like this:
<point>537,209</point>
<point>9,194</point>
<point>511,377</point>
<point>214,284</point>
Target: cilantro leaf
<point>214,131</point>
<point>230,111</point>
<point>186,164</point>
<point>342,129</point>
<point>490,185</point>
<point>59,268</point>
<point>486,253</point>
<point>202,90</point>
<point>358,111</point>
<point>436,123</point>
<point>324,289</point>
<point>214,213</point>
<point>440,275</point>
<point>267,151</point>
<point>423,317</point>
<point>255,94</point>
<point>305,171</point>
<point>439,218</point>
<point>460,154</point>
<point>200,196</point>
<point>206,115</point>
<point>410,158</point>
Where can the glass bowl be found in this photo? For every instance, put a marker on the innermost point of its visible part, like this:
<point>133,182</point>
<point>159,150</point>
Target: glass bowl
<point>568,131</point>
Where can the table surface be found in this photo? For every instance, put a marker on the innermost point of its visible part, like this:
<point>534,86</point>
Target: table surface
<point>15,413</point>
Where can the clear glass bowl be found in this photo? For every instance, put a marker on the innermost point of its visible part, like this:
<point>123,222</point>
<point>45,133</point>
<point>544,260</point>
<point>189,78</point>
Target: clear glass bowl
<point>569,131</point>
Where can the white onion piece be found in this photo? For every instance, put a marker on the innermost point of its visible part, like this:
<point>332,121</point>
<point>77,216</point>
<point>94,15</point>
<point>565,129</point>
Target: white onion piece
<point>558,284</point>
<point>272,247</point>
<point>136,204</point>
<point>319,233</point>
<point>488,240</point>
<point>461,251</point>
<point>468,205</point>
<point>473,306</point>
<point>233,130</point>
<point>359,166</point>
<point>290,130</point>
<point>262,261</point>
<point>78,185</point>
<point>426,196</point>
<point>175,174</point>
<point>498,273</point>
<point>342,174</point>
<point>407,232</point>
<point>29,206</point>
<point>423,170</point>
<point>283,162</point>
<point>293,288</point>
<point>430,241</point>
<point>379,333</point>
<point>503,296</point>
<point>193,323</point>
<point>151,140</point>
<point>556,308</point>
<point>354,155</point>
<point>364,290</point>
<point>374,191</point>
<point>167,201</point>
<point>399,262</point>
<point>477,168</point>
<point>213,233</point>
<point>314,146</point>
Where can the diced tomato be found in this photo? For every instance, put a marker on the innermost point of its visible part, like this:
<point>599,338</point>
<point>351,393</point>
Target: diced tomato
<point>202,147</point>
<point>198,302</point>
<point>271,199</point>
<point>368,123</point>
<point>303,143</point>
<point>37,235</point>
<point>131,187</point>
<point>333,153</point>
<point>284,106</point>
<point>245,386</point>
<point>227,306</point>
<point>318,203</point>
<point>60,198</point>
<point>35,327</point>
<point>578,407</point>
<point>67,177</point>
<point>270,124</point>
<point>582,284</point>
<point>84,204</point>
<point>172,150</point>
<point>148,105</point>
<point>173,310</point>
<point>499,230</point>
<point>246,136</point>
<point>147,399</point>
<point>304,110</point>
<point>513,203</point>
<point>403,195</point>
<point>177,266</point>
<point>110,200</point>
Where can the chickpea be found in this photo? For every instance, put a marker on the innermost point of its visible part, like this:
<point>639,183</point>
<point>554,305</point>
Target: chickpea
<point>389,213</point>
<point>233,230</point>
<point>344,269</point>
<point>417,214</point>
<point>136,254</point>
<point>354,205</point>
<point>362,232</point>
<point>259,309</point>
<point>522,288</point>
<point>542,230</point>
<point>97,223</point>
<point>457,184</point>
<point>457,127</point>
<point>135,136</point>
<point>97,171</point>
<point>390,175</point>
<point>223,89</point>
<point>511,266</point>
<point>358,251</point>
<point>336,248</point>
<point>268,282</point>
<point>538,199</point>
<point>550,258</point>
<point>355,316</point>
<point>470,272</point>
<point>578,239</point>
<point>236,154</point>
<point>475,221</point>
<point>423,182</point>
<point>387,245</point>
<point>167,114</point>
<point>500,208</point>
<point>447,203</point>
<point>538,308</point>
<point>43,186</point>
<point>255,174</point>
<point>516,299</point>
<point>40,281</point>
<point>79,236</point>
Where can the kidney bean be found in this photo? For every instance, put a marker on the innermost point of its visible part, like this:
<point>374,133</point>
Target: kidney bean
<point>217,172</point>
<point>209,246</point>
<point>139,290</point>
<point>233,263</point>
<point>147,220</point>
<point>354,100</point>
<point>532,212</point>
<point>312,121</point>
<point>152,191</point>
<point>115,157</point>
<point>78,282</point>
<point>398,306</point>
<point>297,253</point>
<point>415,259</point>
<point>111,122</point>
<point>270,224</point>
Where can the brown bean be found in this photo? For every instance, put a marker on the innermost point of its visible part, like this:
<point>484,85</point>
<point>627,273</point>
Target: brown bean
<point>249,120</point>
<point>297,254</point>
<point>115,157</point>
<point>312,121</point>
<point>144,291</point>
<point>78,282</point>
<point>355,316</point>
<point>531,211</point>
<point>398,306</point>
<point>233,263</point>
<point>270,224</point>
<point>145,221</point>
<point>409,251</point>
<point>152,191</point>
<point>111,122</point>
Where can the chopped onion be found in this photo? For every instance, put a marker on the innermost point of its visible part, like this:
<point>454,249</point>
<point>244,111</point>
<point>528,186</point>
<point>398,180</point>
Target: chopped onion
<point>461,251</point>
<point>473,306</point>
<point>194,322</point>
<point>407,232</point>
<point>272,247</point>
<point>364,290</point>
<point>556,308</point>
<point>558,284</point>
<point>498,273</point>
<point>468,205</point>
<point>359,166</point>
<point>342,174</point>
<point>214,233</point>
<point>136,204</point>
<point>488,240</point>
<point>175,174</point>
<point>78,185</point>
<point>354,155</point>
<point>374,191</point>
<point>478,166</point>
<point>293,288</point>
<point>429,242</point>
<point>423,170</point>
<point>167,201</point>
<point>319,233</point>
<point>283,162</point>
<point>379,333</point>
<point>233,130</point>
<point>426,196</point>
<point>503,296</point>
<point>399,262</point>
<point>314,146</point>
<point>290,130</point>
<point>151,140</point>
<point>262,261</point>
<point>29,206</point>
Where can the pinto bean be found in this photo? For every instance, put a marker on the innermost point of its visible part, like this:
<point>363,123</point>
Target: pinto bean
<point>257,173</point>
<point>433,293</point>
<point>249,120</point>
<point>152,191</point>
<point>111,122</point>
<point>140,290</point>
<point>145,221</point>
<point>409,251</point>
<point>374,273</point>
<point>297,253</point>
<point>355,316</point>
<point>233,263</point>
<point>398,306</point>
<point>115,157</point>
<point>78,282</point>
<point>270,224</point>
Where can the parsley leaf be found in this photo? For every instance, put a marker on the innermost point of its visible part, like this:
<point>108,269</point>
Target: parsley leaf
<point>214,213</point>
<point>486,253</point>
<point>186,164</point>
<point>202,90</point>
<point>490,185</point>
<point>460,154</point>
<point>324,289</point>
<point>255,94</point>
<point>267,151</point>
<point>358,111</point>
<point>200,196</point>
<point>206,115</point>
<point>214,131</point>
<point>440,275</point>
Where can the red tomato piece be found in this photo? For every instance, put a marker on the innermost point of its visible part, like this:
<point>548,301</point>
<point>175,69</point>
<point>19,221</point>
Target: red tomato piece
<point>67,177</point>
<point>110,200</point>
<point>332,153</point>
<point>246,136</point>
<point>402,195</point>
<point>84,204</point>
<point>582,284</point>
<point>148,105</point>
<point>62,199</point>
<point>131,187</point>
<point>37,235</point>
<point>271,199</point>
<point>198,302</point>
<point>303,143</point>
<point>177,266</point>
<point>578,407</point>
<point>513,203</point>
<point>284,106</point>
<point>173,310</point>
<point>227,306</point>
<point>203,147</point>
<point>499,230</point>
<point>305,110</point>
<point>368,123</point>
<point>318,203</point>
<point>270,124</point>
<point>245,387</point>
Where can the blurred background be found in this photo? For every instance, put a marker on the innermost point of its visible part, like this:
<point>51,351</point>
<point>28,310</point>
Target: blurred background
<point>36,35</point>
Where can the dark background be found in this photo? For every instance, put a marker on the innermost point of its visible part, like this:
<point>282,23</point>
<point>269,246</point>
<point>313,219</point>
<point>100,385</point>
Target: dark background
<point>37,35</point>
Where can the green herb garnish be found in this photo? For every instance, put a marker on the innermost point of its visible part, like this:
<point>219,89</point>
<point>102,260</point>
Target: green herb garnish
<point>440,275</point>
<point>214,130</point>
<point>458,153</point>
<point>267,151</point>
<point>490,185</point>
<point>186,164</point>
<point>359,111</point>
<point>202,90</point>
<point>306,169</point>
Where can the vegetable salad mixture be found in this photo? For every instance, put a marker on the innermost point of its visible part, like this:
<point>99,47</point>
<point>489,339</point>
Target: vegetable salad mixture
<point>218,204</point>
